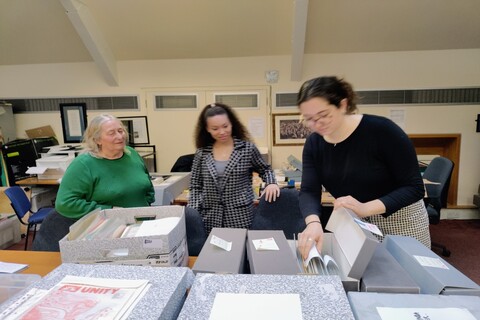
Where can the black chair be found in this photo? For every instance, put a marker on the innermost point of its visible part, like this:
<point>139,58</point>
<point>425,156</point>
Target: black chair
<point>282,214</point>
<point>21,205</point>
<point>196,235</point>
<point>439,171</point>
<point>183,163</point>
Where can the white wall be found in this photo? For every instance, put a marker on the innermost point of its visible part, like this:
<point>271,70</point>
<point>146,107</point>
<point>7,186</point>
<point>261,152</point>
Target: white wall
<point>172,132</point>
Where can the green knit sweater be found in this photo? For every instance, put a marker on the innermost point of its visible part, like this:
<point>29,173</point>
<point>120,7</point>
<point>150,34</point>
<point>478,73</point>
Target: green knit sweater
<point>91,183</point>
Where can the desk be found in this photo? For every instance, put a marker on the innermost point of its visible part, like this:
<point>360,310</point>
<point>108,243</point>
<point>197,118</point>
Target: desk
<point>41,262</point>
<point>182,199</point>
<point>35,181</point>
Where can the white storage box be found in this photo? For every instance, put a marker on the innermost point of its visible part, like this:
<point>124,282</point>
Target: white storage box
<point>320,297</point>
<point>164,249</point>
<point>9,230</point>
<point>163,300</point>
<point>55,162</point>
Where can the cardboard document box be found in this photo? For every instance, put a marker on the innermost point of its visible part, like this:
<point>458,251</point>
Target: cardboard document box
<point>320,297</point>
<point>365,305</point>
<point>282,261</point>
<point>166,249</point>
<point>384,274</point>
<point>350,245</point>
<point>163,300</point>
<point>433,274</point>
<point>214,259</point>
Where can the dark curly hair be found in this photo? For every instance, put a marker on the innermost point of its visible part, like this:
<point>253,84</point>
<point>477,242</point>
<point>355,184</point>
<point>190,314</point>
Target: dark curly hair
<point>203,138</point>
<point>332,89</point>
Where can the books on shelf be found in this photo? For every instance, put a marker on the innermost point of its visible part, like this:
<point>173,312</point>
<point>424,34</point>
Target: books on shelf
<point>81,298</point>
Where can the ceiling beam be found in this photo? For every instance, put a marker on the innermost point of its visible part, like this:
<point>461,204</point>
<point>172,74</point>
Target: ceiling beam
<point>92,38</point>
<point>300,12</point>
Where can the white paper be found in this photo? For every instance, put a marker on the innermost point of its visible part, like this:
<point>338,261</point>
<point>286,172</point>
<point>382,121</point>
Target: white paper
<point>157,227</point>
<point>36,170</point>
<point>74,123</point>
<point>368,226</point>
<point>240,306</point>
<point>424,314</point>
<point>256,127</point>
<point>219,242</point>
<point>7,267</point>
<point>265,244</point>
<point>431,262</point>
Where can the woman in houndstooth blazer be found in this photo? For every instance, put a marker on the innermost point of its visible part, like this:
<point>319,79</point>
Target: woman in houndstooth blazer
<point>221,183</point>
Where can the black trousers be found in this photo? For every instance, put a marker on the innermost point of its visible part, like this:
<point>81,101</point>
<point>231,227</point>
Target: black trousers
<point>53,228</point>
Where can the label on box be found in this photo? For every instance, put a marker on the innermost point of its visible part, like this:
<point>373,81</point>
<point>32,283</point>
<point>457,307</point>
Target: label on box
<point>219,242</point>
<point>431,262</point>
<point>152,243</point>
<point>368,226</point>
<point>265,244</point>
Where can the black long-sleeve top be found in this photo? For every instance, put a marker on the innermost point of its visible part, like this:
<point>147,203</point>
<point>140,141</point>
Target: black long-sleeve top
<point>377,161</point>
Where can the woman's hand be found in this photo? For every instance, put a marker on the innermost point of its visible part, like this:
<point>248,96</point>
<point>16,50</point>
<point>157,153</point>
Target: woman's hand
<point>312,235</point>
<point>361,209</point>
<point>271,192</point>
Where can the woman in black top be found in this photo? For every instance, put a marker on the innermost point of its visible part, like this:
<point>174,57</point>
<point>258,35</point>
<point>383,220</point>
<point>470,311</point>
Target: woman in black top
<point>366,162</point>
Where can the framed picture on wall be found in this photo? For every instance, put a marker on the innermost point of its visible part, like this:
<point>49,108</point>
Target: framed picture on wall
<point>137,128</point>
<point>288,130</point>
<point>74,121</point>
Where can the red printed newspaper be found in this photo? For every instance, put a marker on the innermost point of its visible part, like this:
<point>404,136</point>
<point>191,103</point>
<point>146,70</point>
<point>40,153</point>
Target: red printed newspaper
<point>83,298</point>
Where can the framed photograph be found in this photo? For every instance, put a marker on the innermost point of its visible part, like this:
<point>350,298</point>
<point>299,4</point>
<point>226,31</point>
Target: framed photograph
<point>74,121</point>
<point>137,128</point>
<point>288,130</point>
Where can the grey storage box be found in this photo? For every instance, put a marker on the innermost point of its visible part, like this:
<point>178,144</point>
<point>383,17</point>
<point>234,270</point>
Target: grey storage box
<point>164,250</point>
<point>320,297</point>
<point>384,274</point>
<point>350,245</point>
<point>282,261</point>
<point>163,300</point>
<point>213,259</point>
<point>433,274</point>
<point>364,304</point>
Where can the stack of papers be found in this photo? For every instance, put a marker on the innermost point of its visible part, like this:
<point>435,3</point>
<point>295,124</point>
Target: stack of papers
<point>7,267</point>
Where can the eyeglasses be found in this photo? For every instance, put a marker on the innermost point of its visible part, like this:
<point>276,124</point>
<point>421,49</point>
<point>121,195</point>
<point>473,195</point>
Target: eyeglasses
<point>313,120</point>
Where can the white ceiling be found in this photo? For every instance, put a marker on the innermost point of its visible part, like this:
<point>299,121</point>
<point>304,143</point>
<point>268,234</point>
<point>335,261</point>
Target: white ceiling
<point>40,31</point>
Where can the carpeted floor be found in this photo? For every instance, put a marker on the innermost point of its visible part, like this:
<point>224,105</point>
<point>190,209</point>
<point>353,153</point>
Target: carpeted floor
<point>462,238</point>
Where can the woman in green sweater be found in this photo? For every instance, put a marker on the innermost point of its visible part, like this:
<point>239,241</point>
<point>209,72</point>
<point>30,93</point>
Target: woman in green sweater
<point>107,174</point>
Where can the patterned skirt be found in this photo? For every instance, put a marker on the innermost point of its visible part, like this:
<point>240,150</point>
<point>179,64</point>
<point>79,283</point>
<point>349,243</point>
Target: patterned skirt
<point>411,221</point>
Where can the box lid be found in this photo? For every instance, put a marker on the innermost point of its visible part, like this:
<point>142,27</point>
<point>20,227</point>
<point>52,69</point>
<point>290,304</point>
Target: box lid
<point>213,259</point>
<point>357,244</point>
<point>433,274</point>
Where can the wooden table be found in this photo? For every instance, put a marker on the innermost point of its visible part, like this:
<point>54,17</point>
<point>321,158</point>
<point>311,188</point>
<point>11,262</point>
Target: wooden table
<point>182,199</point>
<point>41,262</point>
<point>32,181</point>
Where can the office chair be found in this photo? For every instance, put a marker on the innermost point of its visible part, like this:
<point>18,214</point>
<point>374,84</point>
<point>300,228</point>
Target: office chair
<point>282,214</point>
<point>183,163</point>
<point>21,205</point>
<point>440,171</point>
<point>196,235</point>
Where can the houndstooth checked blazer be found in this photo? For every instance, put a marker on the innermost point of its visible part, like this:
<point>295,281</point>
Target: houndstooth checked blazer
<point>229,204</point>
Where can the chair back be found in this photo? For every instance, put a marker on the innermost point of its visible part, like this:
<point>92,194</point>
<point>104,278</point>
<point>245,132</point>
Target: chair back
<point>439,170</point>
<point>19,200</point>
<point>183,163</point>
<point>196,235</point>
<point>282,214</point>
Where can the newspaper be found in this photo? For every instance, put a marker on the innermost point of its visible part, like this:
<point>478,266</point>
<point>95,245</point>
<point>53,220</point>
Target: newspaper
<point>84,298</point>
